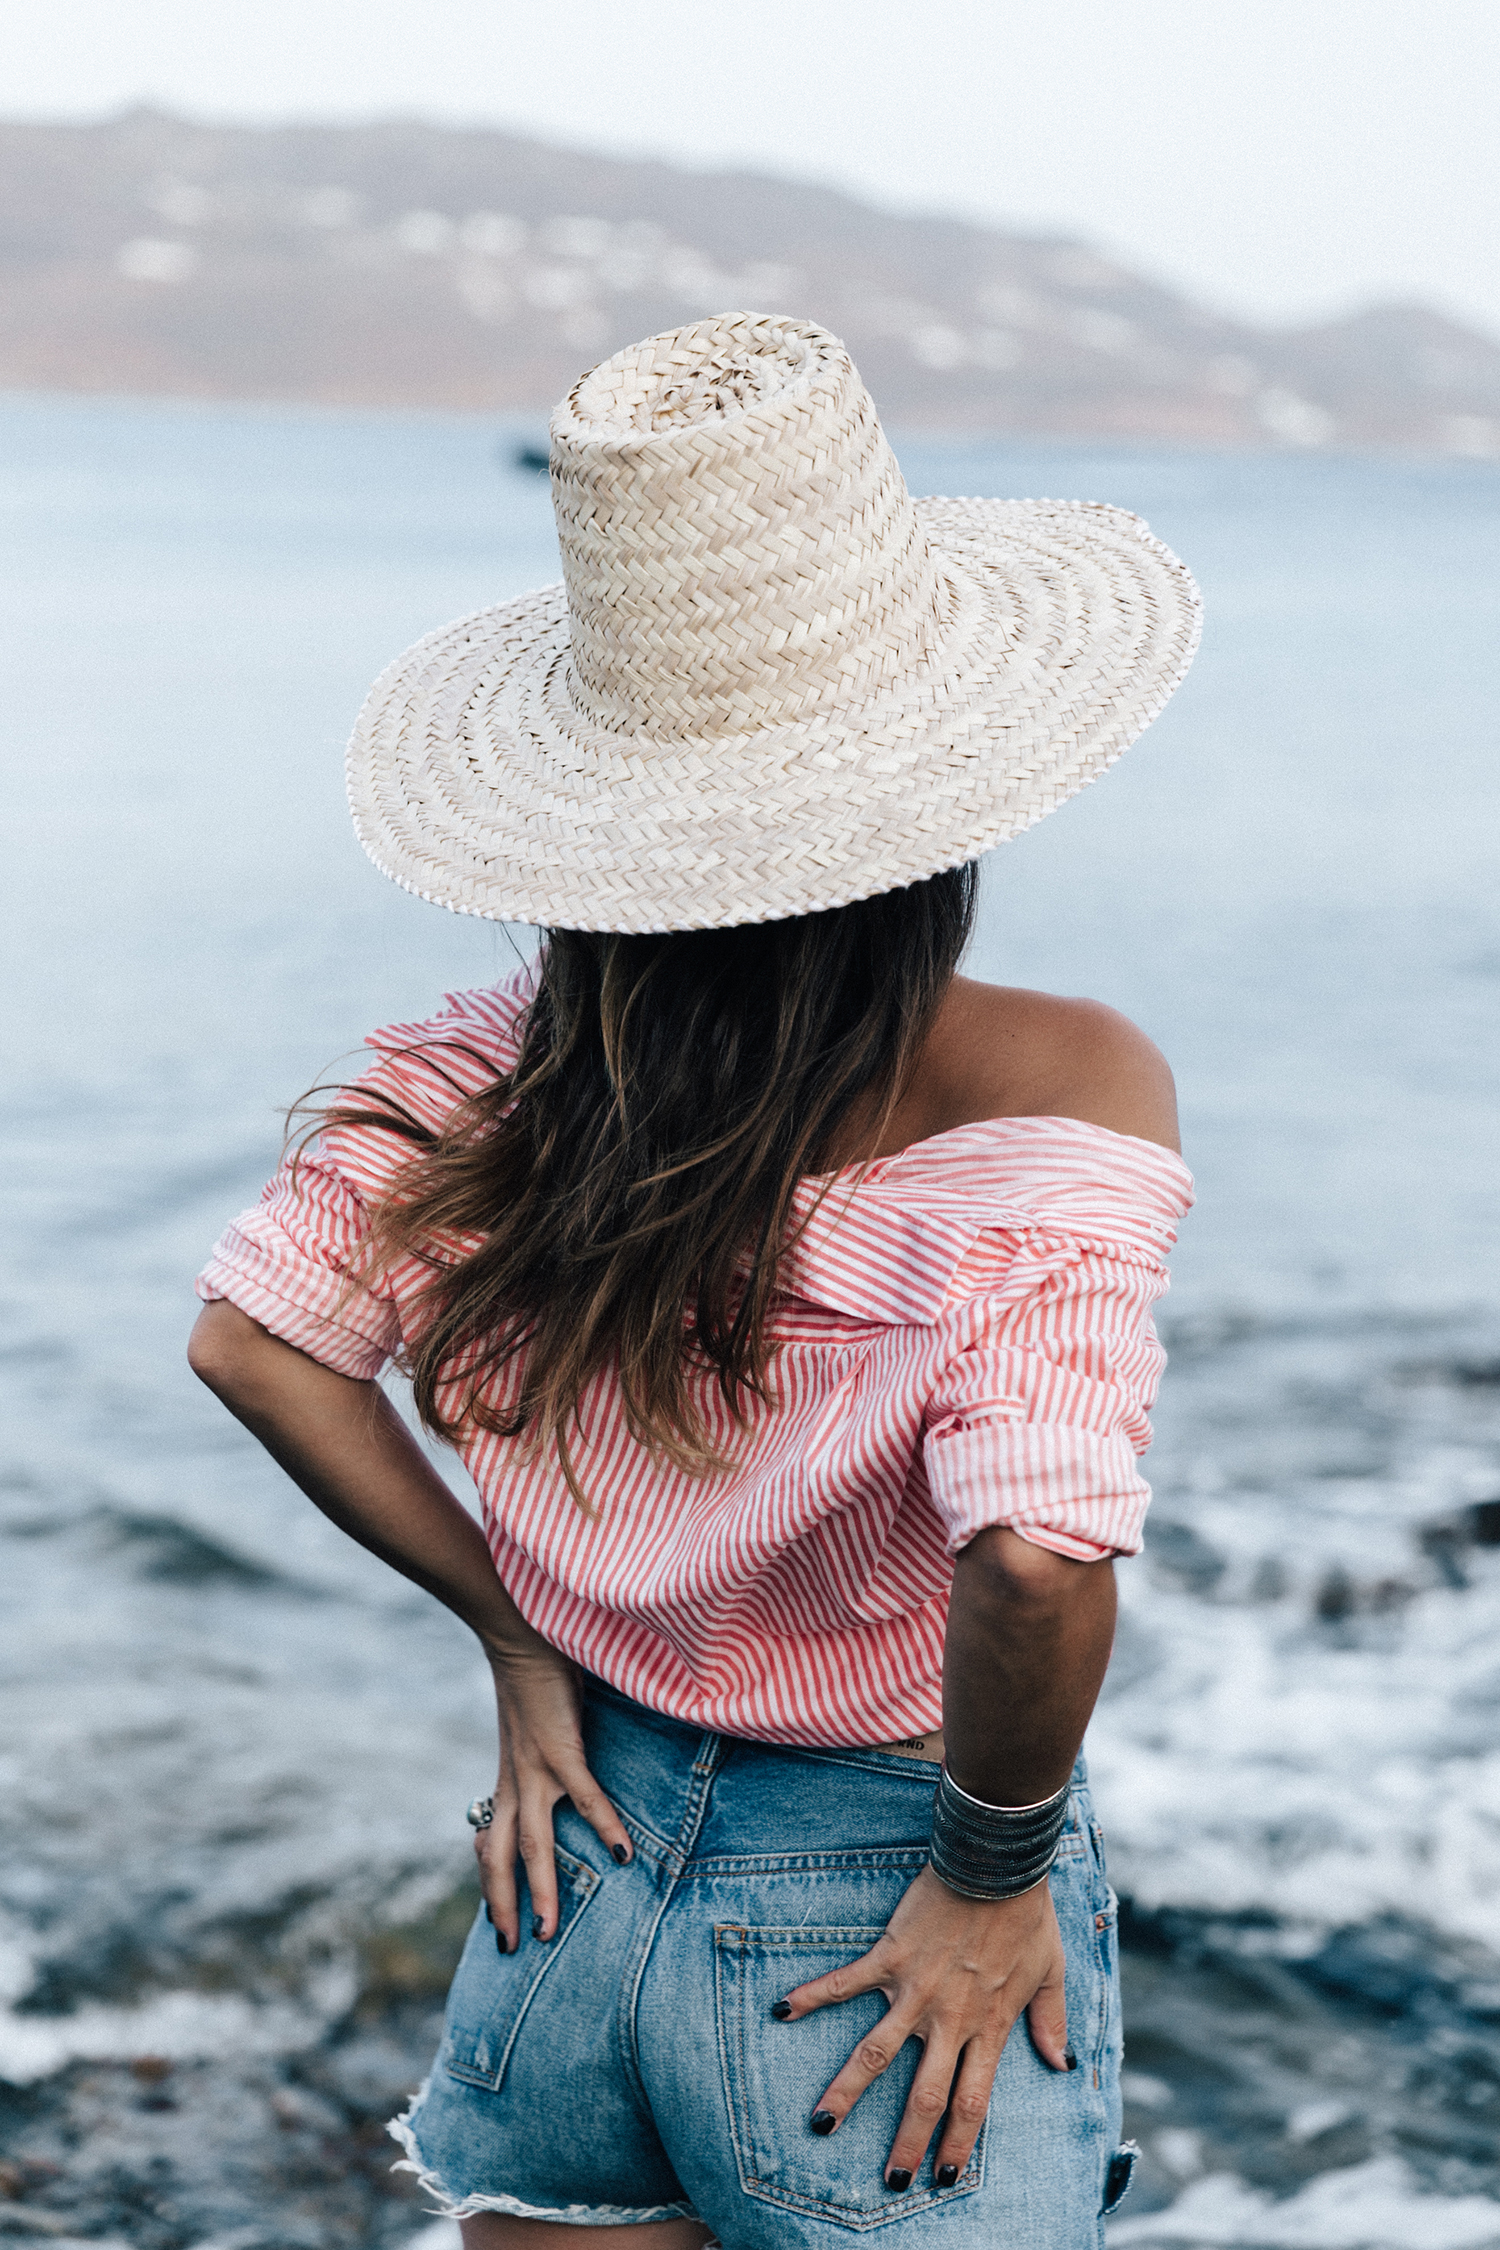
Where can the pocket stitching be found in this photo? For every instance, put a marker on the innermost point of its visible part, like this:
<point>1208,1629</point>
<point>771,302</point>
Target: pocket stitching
<point>732,1942</point>
<point>872,1860</point>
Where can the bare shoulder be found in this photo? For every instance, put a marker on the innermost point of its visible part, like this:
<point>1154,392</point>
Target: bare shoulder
<point>1001,1051</point>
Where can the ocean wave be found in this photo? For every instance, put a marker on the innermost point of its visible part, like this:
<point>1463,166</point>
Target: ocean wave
<point>1254,1761</point>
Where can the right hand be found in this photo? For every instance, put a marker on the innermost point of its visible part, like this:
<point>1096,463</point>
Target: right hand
<point>541,1761</point>
<point>956,1973</point>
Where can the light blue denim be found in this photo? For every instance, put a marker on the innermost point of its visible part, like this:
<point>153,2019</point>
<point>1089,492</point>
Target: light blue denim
<point>631,2069</point>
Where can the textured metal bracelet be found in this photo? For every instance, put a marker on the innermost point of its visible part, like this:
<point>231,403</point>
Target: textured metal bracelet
<point>993,1851</point>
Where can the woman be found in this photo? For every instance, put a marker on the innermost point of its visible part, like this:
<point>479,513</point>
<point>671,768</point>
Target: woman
<point>788,1297</point>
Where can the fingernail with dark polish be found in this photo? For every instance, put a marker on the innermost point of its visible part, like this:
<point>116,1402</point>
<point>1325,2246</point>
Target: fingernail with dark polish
<point>620,1853</point>
<point>822,2121</point>
<point>946,2175</point>
<point>500,1941</point>
<point>489,1917</point>
<point>781,2009</point>
<point>1070,2058</point>
<point>898,2178</point>
<point>537,1925</point>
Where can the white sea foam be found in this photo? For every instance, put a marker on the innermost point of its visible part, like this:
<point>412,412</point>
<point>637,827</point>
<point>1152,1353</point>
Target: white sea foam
<point>1374,2206</point>
<point>1249,1756</point>
<point>180,2026</point>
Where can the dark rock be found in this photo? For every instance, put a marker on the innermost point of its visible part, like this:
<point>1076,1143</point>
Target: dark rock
<point>1178,1549</point>
<point>1443,1545</point>
<point>1337,1597</point>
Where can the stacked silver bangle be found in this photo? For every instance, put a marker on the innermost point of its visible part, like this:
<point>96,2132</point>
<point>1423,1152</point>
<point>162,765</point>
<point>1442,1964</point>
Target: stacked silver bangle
<point>993,1851</point>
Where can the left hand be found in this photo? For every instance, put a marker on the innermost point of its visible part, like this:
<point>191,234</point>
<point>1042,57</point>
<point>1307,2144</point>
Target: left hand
<point>957,1973</point>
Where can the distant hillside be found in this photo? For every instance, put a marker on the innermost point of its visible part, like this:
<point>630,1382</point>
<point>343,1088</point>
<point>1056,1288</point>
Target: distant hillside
<point>403,264</point>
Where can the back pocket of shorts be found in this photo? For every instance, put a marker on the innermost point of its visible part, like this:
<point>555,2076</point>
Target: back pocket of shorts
<point>493,1990</point>
<point>775,2072</point>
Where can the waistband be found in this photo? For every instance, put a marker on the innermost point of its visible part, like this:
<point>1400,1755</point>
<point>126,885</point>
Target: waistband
<point>927,1747</point>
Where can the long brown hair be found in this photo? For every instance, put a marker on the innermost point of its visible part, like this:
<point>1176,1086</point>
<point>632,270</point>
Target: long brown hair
<point>630,1182</point>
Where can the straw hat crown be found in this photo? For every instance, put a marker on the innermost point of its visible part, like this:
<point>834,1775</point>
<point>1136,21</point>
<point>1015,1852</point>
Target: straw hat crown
<point>771,681</point>
<point>738,544</point>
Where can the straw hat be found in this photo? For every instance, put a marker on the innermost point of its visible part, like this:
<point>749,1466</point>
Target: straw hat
<point>770,681</point>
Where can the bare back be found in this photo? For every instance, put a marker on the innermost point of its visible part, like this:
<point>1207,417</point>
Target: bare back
<point>1001,1051</point>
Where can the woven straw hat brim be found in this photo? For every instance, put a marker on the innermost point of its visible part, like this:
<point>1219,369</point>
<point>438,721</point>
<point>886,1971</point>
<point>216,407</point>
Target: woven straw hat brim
<point>477,783</point>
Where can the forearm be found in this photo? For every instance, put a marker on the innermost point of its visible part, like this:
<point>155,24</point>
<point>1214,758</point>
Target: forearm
<point>1029,1636</point>
<point>346,1446</point>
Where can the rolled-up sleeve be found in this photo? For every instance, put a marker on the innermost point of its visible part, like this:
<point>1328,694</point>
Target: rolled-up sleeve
<point>295,1262</point>
<point>1039,1421</point>
<point>291,1264</point>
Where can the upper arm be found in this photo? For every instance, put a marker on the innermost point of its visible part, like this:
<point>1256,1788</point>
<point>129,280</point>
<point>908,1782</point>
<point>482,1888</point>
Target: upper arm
<point>228,1351</point>
<point>226,1344</point>
<point>249,1367</point>
<point>1028,1573</point>
<point>222,1335</point>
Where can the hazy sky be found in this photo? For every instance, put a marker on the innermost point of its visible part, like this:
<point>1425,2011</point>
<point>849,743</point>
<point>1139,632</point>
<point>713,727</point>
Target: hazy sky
<point>1280,158</point>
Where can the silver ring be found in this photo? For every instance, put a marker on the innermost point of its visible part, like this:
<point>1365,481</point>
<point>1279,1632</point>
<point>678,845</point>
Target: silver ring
<point>481,1812</point>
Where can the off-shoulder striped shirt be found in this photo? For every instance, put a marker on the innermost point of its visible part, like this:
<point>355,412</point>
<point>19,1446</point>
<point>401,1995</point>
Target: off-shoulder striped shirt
<point>965,1339</point>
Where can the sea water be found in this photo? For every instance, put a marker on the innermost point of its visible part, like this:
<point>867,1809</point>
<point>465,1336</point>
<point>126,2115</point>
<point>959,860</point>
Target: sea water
<point>235,1752</point>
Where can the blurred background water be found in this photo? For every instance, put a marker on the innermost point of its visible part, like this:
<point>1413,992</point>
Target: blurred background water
<point>234,1752</point>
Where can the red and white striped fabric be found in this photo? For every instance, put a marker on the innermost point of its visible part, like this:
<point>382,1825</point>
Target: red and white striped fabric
<point>966,1340</point>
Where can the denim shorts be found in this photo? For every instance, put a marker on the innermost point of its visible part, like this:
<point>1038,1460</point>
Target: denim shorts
<point>630,2069</point>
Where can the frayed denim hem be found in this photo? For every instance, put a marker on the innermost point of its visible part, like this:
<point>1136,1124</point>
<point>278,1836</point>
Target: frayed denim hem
<point>511,2206</point>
